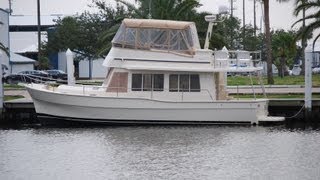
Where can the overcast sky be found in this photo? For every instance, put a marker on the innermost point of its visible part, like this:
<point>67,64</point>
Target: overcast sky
<point>280,13</point>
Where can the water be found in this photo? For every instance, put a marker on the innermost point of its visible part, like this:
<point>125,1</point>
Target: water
<point>160,152</point>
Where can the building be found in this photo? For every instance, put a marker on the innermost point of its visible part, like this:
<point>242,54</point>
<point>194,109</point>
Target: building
<point>20,63</point>
<point>4,35</point>
<point>15,62</point>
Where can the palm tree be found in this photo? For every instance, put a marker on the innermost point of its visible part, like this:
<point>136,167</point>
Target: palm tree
<point>313,17</point>
<point>4,49</point>
<point>303,40</point>
<point>268,39</point>
<point>284,48</point>
<point>163,9</point>
<point>157,9</point>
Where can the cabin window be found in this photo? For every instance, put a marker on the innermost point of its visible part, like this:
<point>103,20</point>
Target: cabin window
<point>194,83</point>
<point>173,82</point>
<point>158,82</point>
<point>136,82</point>
<point>184,83</point>
<point>147,82</point>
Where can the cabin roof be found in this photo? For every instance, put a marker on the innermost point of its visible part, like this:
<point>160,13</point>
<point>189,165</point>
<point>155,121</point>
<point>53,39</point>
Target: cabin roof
<point>156,23</point>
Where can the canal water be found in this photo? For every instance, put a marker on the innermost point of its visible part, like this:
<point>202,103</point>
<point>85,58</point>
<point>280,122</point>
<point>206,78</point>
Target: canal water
<point>160,152</point>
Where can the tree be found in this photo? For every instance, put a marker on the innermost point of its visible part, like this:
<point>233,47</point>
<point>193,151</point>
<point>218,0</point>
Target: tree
<point>283,49</point>
<point>226,33</point>
<point>4,49</point>
<point>251,42</point>
<point>268,40</point>
<point>313,6</point>
<point>43,63</point>
<point>303,40</point>
<point>112,18</point>
<point>65,35</point>
<point>163,9</point>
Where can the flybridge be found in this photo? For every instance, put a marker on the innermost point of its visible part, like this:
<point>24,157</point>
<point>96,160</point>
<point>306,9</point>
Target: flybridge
<point>163,35</point>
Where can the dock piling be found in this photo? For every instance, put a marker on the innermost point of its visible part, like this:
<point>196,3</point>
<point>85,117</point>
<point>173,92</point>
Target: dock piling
<point>308,83</point>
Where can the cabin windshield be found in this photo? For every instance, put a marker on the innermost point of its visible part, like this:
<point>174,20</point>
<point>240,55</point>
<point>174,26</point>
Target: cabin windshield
<point>175,36</point>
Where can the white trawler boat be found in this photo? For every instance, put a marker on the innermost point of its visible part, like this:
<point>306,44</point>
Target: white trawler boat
<point>157,73</point>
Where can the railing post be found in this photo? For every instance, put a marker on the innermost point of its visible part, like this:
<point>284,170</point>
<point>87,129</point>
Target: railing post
<point>254,94</point>
<point>182,96</point>
<point>151,93</point>
<point>117,91</point>
<point>238,58</point>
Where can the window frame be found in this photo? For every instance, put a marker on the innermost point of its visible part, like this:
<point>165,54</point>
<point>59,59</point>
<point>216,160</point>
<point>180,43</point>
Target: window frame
<point>178,89</point>
<point>142,84</point>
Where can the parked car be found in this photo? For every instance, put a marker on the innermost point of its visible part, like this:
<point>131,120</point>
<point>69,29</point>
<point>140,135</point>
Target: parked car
<point>57,74</point>
<point>27,76</point>
<point>316,69</point>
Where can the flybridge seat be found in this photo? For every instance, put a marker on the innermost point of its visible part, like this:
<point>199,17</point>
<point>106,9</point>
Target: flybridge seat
<point>163,35</point>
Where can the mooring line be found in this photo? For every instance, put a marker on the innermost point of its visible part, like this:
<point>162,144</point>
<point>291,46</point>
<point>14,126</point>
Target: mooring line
<point>296,113</point>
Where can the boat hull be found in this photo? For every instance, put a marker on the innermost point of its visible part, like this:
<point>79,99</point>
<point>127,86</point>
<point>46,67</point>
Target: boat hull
<point>121,110</point>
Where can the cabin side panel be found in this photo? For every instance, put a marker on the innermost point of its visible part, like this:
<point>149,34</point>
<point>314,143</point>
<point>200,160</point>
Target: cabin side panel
<point>119,82</point>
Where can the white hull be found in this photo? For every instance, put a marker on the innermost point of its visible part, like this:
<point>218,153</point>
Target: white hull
<point>105,109</point>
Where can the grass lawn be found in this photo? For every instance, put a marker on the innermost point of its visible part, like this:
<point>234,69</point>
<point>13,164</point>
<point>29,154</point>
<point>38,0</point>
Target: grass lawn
<point>274,96</point>
<point>12,97</point>
<point>287,80</point>
<point>12,86</point>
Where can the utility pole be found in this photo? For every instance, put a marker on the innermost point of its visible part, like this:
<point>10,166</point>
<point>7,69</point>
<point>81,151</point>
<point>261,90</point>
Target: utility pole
<point>231,8</point>
<point>303,40</point>
<point>10,9</point>
<point>150,15</point>
<point>254,19</point>
<point>244,22</point>
<point>39,30</point>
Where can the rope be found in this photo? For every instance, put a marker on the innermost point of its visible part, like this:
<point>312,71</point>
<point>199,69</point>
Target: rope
<point>296,113</point>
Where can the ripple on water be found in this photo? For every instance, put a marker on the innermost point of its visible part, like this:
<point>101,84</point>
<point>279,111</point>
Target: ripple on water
<point>160,152</point>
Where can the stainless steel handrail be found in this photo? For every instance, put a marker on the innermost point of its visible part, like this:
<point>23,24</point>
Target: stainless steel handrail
<point>119,90</point>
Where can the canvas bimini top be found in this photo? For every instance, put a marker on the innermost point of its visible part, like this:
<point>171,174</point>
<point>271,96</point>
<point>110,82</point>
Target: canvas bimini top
<point>163,35</point>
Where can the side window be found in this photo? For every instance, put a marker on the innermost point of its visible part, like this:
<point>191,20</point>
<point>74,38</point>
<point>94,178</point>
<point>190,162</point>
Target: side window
<point>184,83</point>
<point>136,82</point>
<point>173,82</point>
<point>158,80</point>
<point>147,82</point>
<point>194,83</point>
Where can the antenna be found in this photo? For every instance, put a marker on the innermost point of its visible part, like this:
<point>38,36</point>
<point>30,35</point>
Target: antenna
<point>212,19</point>
<point>10,9</point>
<point>149,15</point>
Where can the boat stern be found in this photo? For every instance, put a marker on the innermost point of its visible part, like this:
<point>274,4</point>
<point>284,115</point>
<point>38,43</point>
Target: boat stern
<point>263,113</point>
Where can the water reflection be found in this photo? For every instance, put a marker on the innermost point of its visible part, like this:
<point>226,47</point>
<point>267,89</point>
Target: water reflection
<point>160,152</point>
